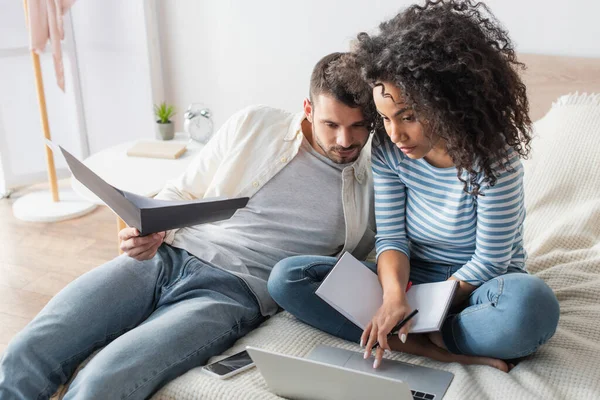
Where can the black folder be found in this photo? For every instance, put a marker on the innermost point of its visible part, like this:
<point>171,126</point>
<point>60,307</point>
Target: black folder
<point>152,215</point>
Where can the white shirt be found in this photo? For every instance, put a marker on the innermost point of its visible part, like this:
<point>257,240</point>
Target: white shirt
<point>250,149</point>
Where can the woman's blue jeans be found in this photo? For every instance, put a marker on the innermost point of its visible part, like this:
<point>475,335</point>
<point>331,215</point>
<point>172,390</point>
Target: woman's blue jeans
<point>507,317</point>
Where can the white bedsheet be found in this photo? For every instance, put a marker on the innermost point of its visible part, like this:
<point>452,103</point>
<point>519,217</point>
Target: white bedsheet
<point>562,237</point>
<point>563,240</point>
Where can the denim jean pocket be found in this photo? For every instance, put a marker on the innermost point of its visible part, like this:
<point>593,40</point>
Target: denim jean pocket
<point>188,266</point>
<point>421,272</point>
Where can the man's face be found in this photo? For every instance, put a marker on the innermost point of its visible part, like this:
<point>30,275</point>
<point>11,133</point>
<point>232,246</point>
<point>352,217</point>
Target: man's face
<point>339,132</point>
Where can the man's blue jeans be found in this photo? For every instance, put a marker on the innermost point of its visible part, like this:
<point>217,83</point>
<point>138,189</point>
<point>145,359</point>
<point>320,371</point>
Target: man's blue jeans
<point>157,318</point>
<point>507,317</point>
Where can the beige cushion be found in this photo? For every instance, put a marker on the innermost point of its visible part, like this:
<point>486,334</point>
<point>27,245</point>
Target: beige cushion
<point>562,185</point>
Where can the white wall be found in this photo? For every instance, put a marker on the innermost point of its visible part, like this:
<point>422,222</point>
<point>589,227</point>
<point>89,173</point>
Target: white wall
<point>232,53</point>
<point>113,60</point>
<point>2,181</point>
<point>109,89</point>
<point>21,138</point>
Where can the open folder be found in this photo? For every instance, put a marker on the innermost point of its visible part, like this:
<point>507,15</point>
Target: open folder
<point>151,215</point>
<point>354,290</point>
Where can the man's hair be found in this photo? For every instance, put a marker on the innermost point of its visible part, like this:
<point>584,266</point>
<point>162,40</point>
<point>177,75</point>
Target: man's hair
<point>457,69</point>
<point>339,75</point>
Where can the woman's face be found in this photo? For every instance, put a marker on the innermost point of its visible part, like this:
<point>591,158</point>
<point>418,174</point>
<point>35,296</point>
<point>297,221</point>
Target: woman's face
<point>400,121</point>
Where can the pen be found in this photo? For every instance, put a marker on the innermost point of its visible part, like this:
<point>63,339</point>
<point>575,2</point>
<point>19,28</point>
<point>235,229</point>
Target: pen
<point>399,326</point>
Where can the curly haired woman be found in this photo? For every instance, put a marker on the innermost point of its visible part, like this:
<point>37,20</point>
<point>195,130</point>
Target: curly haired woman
<point>448,189</point>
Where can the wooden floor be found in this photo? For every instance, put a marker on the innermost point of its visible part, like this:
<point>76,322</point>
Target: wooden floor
<point>38,259</point>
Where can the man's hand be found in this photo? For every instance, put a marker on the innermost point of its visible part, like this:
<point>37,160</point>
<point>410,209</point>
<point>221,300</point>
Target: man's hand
<point>140,247</point>
<point>463,292</point>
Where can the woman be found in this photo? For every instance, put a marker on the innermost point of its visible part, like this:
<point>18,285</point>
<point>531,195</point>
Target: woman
<point>448,191</point>
<point>448,179</point>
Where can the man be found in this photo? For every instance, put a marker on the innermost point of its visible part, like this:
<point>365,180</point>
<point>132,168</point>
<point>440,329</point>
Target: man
<point>177,298</point>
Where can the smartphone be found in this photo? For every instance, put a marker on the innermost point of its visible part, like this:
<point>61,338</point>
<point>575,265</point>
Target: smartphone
<point>230,366</point>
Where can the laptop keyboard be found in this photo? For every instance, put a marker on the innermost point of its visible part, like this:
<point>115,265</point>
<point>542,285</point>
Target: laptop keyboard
<point>421,396</point>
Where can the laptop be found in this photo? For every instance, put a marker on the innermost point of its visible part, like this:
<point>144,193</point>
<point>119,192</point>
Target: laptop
<point>330,373</point>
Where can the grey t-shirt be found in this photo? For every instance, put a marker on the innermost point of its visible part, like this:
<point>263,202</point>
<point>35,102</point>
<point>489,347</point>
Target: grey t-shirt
<point>299,211</point>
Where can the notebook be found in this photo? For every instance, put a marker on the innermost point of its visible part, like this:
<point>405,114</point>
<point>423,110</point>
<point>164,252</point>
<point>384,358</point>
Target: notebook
<point>354,291</point>
<point>146,214</point>
<point>156,149</point>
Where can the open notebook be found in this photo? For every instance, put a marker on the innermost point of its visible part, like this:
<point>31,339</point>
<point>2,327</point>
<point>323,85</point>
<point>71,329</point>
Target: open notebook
<point>146,214</point>
<point>354,290</point>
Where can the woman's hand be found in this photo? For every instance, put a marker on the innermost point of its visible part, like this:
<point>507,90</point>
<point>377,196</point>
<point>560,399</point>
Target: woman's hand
<point>392,311</point>
<point>393,270</point>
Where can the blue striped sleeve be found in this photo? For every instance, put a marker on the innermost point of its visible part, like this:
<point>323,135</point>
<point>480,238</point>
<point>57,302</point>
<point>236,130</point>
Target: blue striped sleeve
<point>500,215</point>
<point>390,202</point>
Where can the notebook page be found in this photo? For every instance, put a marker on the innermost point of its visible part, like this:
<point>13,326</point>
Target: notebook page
<point>354,291</point>
<point>432,300</point>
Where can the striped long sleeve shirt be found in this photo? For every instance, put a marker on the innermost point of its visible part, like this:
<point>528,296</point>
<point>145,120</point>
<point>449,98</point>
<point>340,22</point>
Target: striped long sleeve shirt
<point>424,212</point>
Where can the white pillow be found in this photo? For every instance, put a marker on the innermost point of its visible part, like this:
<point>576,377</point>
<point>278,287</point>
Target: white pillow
<point>562,184</point>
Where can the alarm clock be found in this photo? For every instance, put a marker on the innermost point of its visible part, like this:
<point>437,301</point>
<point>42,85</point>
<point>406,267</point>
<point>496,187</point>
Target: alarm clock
<point>197,123</point>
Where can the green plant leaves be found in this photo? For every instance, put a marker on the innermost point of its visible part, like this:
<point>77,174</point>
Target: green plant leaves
<point>164,112</point>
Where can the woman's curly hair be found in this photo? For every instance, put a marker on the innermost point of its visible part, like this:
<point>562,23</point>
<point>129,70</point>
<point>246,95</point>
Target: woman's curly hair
<point>457,69</point>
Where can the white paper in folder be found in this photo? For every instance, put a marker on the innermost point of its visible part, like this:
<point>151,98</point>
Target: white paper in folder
<point>354,291</point>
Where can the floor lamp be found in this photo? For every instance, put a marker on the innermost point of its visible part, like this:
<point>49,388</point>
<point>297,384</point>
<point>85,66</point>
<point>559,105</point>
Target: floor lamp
<point>42,206</point>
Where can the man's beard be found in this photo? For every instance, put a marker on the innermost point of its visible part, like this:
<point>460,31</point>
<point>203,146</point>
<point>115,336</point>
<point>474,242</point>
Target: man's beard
<point>335,157</point>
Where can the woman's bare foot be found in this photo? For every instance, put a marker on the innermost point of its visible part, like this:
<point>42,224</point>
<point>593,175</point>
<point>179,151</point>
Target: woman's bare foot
<point>476,360</point>
<point>422,345</point>
<point>437,339</point>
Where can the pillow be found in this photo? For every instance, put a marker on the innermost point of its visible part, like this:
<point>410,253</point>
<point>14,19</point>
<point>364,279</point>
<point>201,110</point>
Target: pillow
<point>562,185</point>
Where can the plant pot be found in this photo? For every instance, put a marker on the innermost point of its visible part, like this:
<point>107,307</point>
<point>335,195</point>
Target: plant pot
<point>165,131</point>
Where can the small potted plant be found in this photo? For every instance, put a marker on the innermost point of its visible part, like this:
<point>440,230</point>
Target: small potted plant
<point>165,130</point>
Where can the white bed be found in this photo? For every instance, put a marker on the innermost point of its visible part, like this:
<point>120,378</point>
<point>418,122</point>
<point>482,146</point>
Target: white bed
<point>562,238</point>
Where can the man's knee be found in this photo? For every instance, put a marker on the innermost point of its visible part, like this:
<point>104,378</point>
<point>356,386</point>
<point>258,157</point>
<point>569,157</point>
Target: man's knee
<point>292,277</point>
<point>280,280</point>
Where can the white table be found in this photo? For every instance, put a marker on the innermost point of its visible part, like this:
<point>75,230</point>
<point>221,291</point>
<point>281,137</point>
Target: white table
<point>139,175</point>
